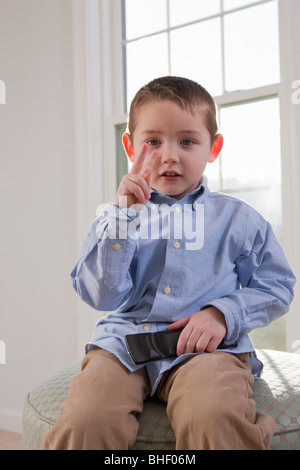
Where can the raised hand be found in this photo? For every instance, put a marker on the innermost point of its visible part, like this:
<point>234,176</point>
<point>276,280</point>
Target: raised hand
<point>135,186</point>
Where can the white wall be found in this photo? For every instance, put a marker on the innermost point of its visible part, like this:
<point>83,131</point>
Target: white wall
<point>38,306</point>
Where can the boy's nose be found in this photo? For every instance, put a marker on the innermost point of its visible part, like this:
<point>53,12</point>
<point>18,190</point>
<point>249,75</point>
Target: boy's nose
<point>169,154</point>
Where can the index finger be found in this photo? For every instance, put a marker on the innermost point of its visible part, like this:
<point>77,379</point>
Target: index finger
<point>139,161</point>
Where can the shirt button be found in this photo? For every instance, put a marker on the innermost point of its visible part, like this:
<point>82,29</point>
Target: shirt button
<point>116,246</point>
<point>167,290</point>
<point>176,245</point>
<point>177,210</point>
<point>147,327</point>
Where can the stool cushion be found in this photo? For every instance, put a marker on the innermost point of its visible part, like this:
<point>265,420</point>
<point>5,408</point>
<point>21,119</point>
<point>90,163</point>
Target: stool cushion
<point>277,393</point>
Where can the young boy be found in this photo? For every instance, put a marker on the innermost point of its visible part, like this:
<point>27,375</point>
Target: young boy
<point>171,255</point>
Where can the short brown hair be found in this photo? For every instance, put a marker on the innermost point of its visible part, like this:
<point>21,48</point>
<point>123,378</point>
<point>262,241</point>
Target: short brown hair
<point>184,92</point>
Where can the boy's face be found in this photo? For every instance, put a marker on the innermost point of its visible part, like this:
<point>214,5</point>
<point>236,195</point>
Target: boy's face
<point>182,142</point>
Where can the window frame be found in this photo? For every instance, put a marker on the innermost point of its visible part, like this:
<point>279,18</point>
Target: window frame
<point>223,98</point>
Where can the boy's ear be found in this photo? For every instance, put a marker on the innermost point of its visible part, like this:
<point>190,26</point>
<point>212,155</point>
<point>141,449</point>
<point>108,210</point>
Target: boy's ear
<point>216,148</point>
<point>128,146</point>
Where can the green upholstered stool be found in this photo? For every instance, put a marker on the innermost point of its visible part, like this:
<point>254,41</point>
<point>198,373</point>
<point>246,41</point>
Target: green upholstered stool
<point>277,393</point>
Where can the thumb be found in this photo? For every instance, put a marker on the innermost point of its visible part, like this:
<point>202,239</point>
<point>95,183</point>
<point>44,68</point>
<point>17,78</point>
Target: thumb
<point>181,323</point>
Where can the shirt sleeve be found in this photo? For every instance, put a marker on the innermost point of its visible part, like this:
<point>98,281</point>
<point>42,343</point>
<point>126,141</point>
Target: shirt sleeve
<point>266,282</point>
<point>101,275</point>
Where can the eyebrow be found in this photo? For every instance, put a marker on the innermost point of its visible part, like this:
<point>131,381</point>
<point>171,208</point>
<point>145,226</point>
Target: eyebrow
<point>187,131</point>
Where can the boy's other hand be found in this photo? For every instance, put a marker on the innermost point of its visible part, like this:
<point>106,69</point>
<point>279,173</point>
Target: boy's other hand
<point>202,331</point>
<point>135,186</point>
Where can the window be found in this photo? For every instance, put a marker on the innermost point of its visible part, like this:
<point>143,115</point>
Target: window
<point>225,45</point>
<point>232,48</point>
<point>250,165</point>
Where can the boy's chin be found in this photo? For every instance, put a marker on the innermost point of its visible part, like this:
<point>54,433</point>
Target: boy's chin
<point>176,189</point>
<point>166,192</point>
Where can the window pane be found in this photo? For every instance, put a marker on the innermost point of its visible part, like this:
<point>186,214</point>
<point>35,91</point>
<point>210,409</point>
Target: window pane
<point>190,10</point>
<point>212,171</point>
<point>196,54</point>
<point>230,4</point>
<point>250,162</point>
<point>145,59</point>
<point>249,169</point>
<point>271,337</point>
<point>251,47</point>
<point>143,17</point>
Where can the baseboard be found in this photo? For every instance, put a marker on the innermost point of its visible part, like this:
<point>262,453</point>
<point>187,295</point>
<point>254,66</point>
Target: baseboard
<point>11,420</point>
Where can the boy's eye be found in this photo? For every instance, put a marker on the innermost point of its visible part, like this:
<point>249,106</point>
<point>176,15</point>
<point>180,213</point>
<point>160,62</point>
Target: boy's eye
<point>153,142</point>
<point>187,142</point>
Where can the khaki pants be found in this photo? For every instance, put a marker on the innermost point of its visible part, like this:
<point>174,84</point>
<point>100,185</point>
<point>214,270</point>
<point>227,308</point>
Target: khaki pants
<point>209,404</point>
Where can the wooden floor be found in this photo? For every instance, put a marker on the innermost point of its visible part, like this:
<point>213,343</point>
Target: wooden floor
<point>11,440</point>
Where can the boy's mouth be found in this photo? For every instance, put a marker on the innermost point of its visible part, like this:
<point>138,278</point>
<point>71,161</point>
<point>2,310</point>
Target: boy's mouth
<point>170,175</point>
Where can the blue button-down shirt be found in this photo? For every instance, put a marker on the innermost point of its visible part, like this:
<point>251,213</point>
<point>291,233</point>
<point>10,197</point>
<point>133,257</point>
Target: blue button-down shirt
<point>153,266</point>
